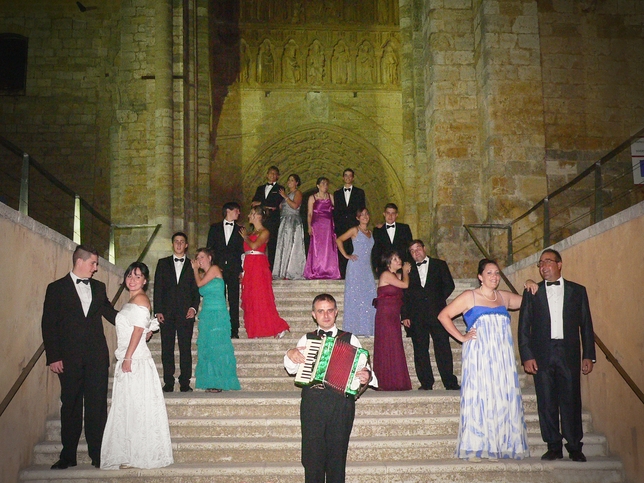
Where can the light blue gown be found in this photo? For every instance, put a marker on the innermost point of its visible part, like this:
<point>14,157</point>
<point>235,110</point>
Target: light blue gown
<point>360,289</point>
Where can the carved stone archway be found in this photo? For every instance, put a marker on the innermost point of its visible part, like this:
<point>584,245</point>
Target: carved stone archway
<point>325,150</point>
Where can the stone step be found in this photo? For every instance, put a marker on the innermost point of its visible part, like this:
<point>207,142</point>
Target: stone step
<point>281,427</point>
<point>274,449</point>
<point>533,470</point>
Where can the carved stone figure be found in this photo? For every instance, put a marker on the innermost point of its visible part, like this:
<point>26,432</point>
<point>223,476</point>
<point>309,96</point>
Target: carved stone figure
<point>315,64</point>
<point>245,62</point>
<point>365,64</point>
<point>291,72</point>
<point>265,63</point>
<point>340,63</point>
<point>389,65</point>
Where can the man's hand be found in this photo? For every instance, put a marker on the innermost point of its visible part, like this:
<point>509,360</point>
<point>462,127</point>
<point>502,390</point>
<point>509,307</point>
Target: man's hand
<point>586,366</point>
<point>364,375</point>
<point>191,313</point>
<point>160,318</point>
<point>295,355</point>
<point>406,323</point>
<point>530,366</point>
<point>56,367</point>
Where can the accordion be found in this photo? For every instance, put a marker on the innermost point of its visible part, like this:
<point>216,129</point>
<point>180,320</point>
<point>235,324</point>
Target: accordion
<point>334,363</point>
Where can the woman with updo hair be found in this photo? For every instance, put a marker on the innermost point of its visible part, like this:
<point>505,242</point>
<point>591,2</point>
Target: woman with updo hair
<point>290,256</point>
<point>137,434</point>
<point>261,318</point>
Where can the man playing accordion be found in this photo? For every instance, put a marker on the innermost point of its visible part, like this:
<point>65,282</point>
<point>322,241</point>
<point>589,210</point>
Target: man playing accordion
<point>326,414</point>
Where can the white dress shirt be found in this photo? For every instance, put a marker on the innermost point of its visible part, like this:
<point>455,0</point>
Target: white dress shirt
<point>422,271</point>
<point>84,292</point>
<point>228,230</point>
<point>178,266</point>
<point>391,232</point>
<point>555,294</point>
<point>347,194</point>
<point>267,189</point>
<point>291,367</point>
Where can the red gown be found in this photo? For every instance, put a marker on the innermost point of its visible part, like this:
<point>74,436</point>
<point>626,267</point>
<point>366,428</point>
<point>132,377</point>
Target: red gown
<point>258,302</point>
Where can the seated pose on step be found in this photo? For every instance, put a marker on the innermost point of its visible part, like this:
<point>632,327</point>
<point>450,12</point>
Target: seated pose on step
<point>492,424</point>
<point>326,415</point>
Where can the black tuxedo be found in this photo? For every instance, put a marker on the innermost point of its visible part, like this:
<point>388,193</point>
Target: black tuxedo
<point>421,306</point>
<point>79,342</point>
<point>344,217</point>
<point>382,243</point>
<point>228,258</point>
<point>557,381</point>
<point>173,300</point>
<point>272,221</point>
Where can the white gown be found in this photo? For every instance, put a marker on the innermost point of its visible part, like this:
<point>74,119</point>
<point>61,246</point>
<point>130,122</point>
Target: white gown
<point>137,433</point>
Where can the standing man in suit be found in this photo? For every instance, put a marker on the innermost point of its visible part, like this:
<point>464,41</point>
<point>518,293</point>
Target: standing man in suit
<point>268,195</point>
<point>72,331</point>
<point>176,301</point>
<point>227,246</point>
<point>391,236</point>
<point>347,201</point>
<point>550,325</point>
<point>430,284</point>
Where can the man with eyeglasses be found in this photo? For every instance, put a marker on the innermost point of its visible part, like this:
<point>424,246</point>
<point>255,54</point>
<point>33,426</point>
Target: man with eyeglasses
<point>551,323</point>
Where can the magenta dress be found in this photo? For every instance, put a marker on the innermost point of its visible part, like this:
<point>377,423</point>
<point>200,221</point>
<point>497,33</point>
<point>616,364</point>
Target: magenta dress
<point>389,361</point>
<point>322,260</point>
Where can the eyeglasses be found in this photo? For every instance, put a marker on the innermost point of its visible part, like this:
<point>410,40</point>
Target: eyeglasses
<point>546,261</point>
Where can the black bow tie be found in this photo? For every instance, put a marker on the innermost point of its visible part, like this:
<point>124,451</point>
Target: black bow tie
<point>391,226</point>
<point>553,283</point>
<point>82,280</point>
<point>179,260</point>
<point>229,223</point>
<point>270,184</point>
<point>421,263</point>
<point>322,333</point>
<point>347,189</point>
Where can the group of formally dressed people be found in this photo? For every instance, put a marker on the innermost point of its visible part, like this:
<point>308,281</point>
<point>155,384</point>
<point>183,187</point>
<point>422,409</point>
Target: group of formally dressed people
<point>409,293</point>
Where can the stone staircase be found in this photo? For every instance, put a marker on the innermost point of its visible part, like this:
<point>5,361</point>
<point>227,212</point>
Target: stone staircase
<point>253,435</point>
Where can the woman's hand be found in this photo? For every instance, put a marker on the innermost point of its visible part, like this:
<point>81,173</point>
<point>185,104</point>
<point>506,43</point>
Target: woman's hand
<point>352,257</point>
<point>243,232</point>
<point>470,335</point>
<point>406,267</point>
<point>282,193</point>
<point>126,366</point>
<point>195,264</point>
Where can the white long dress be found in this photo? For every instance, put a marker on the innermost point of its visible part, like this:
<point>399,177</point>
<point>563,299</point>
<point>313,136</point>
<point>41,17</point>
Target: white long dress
<point>137,432</point>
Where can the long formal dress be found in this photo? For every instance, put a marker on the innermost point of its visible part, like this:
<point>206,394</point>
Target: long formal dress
<point>389,361</point>
<point>360,289</point>
<point>322,260</point>
<point>492,422</point>
<point>137,432</point>
<point>290,256</point>
<point>216,364</point>
<point>261,318</point>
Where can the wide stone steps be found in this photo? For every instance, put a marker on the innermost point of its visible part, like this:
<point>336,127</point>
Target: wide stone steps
<point>253,435</point>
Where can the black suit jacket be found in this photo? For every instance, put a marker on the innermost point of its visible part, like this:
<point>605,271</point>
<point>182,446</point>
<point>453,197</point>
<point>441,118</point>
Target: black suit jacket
<point>273,199</point>
<point>534,326</point>
<point>382,244</point>
<point>227,257</point>
<point>68,334</point>
<point>421,304</point>
<point>344,216</point>
<point>173,299</point>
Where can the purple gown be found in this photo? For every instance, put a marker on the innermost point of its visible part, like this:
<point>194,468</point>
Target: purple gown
<point>322,260</point>
<point>389,361</point>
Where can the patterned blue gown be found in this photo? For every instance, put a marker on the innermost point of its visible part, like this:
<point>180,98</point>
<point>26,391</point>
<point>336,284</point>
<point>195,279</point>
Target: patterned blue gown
<point>216,363</point>
<point>360,289</point>
<point>492,422</point>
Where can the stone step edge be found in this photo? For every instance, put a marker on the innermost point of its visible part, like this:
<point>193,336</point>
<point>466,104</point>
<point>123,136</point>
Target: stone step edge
<point>214,470</point>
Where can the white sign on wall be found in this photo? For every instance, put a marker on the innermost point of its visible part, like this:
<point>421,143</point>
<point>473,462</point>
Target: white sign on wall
<point>637,154</point>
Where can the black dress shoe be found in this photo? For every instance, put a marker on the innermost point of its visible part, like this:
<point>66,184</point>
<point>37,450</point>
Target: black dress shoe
<point>234,336</point>
<point>62,465</point>
<point>577,456</point>
<point>186,389</point>
<point>455,387</point>
<point>168,388</point>
<point>552,455</point>
<point>424,388</point>
<point>96,463</point>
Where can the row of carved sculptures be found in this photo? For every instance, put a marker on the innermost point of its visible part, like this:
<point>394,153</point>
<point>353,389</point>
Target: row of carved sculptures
<point>317,66</point>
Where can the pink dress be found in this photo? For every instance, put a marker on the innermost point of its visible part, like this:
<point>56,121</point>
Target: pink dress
<point>322,260</point>
<point>261,318</point>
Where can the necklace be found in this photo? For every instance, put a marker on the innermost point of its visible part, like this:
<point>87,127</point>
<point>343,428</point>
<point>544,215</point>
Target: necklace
<point>366,231</point>
<point>488,298</point>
